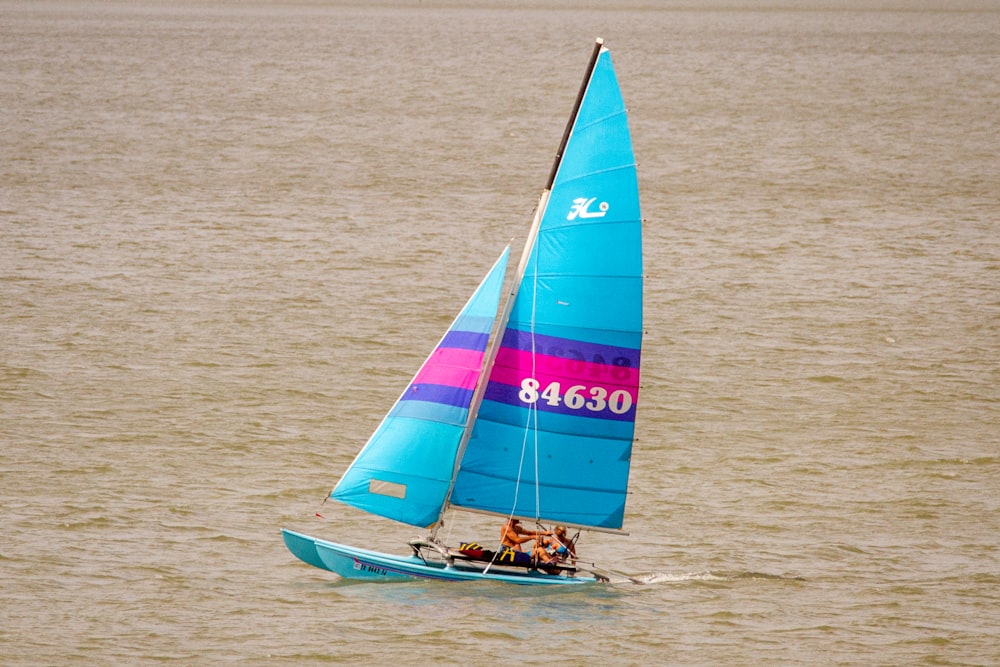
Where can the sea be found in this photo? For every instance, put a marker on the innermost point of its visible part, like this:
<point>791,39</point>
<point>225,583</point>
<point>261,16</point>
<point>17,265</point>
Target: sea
<point>230,232</point>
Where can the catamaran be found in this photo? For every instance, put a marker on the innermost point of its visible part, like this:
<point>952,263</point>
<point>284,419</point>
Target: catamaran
<point>535,422</point>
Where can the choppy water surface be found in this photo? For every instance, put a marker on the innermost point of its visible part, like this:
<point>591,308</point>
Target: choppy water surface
<point>231,233</point>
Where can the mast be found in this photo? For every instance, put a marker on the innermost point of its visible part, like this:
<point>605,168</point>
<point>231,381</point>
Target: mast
<point>598,45</point>
<point>477,398</point>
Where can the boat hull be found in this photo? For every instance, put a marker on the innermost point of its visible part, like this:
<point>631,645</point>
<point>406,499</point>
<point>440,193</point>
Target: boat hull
<point>354,563</point>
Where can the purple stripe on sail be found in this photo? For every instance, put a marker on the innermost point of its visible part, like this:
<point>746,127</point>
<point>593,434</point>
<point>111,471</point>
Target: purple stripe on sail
<point>438,393</point>
<point>511,395</point>
<point>465,340</point>
<point>567,348</point>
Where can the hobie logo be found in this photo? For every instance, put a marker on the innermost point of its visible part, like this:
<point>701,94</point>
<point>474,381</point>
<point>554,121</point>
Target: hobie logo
<point>581,209</point>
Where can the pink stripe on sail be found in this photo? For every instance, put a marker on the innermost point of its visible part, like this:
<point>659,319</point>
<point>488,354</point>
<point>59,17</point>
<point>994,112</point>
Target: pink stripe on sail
<point>452,367</point>
<point>513,366</point>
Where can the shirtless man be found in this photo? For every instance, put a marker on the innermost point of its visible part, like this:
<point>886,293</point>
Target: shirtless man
<point>513,536</point>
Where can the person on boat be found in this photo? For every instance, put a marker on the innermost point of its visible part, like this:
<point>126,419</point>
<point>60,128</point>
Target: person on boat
<point>512,535</point>
<point>555,547</point>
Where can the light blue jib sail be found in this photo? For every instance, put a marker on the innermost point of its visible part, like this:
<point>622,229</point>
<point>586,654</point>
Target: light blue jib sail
<point>553,436</point>
<point>405,470</point>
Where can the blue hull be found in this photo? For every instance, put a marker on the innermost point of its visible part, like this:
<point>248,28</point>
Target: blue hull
<point>354,563</point>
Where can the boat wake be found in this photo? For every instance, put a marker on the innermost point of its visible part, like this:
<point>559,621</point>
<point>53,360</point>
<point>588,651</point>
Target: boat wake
<point>670,578</point>
<point>673,578</point>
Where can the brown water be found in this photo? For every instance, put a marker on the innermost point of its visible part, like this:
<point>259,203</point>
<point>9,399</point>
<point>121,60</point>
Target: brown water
<point>231,233</point>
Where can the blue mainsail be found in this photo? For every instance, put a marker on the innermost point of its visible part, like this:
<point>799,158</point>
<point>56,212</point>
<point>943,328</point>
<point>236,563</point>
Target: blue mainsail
<point>406,468</point>
<point>553,435</point>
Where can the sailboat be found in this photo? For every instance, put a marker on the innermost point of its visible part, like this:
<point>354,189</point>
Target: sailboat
<point>536,421</point>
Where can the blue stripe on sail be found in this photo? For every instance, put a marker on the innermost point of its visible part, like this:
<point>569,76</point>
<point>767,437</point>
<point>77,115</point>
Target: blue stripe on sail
<point>569,455</point>
<point>465,340</point>
<point>516,414</point>
<point>588,507</point>
<point>438,393</point>
<point>436,412</point>
<point>477,323</point>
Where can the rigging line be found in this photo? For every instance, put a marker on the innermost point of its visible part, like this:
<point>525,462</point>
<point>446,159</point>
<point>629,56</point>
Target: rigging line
<point>447,538</point>
<point>531,423</point>
<point>534,374</point>
<point>520,464</point>
<point>517,490</point>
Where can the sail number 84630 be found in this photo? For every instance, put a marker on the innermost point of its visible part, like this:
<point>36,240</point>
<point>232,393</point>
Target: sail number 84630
<point>577,397</point>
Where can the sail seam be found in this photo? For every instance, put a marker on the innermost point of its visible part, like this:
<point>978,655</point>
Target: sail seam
<point>598,121</point>
<point>562,183</point>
